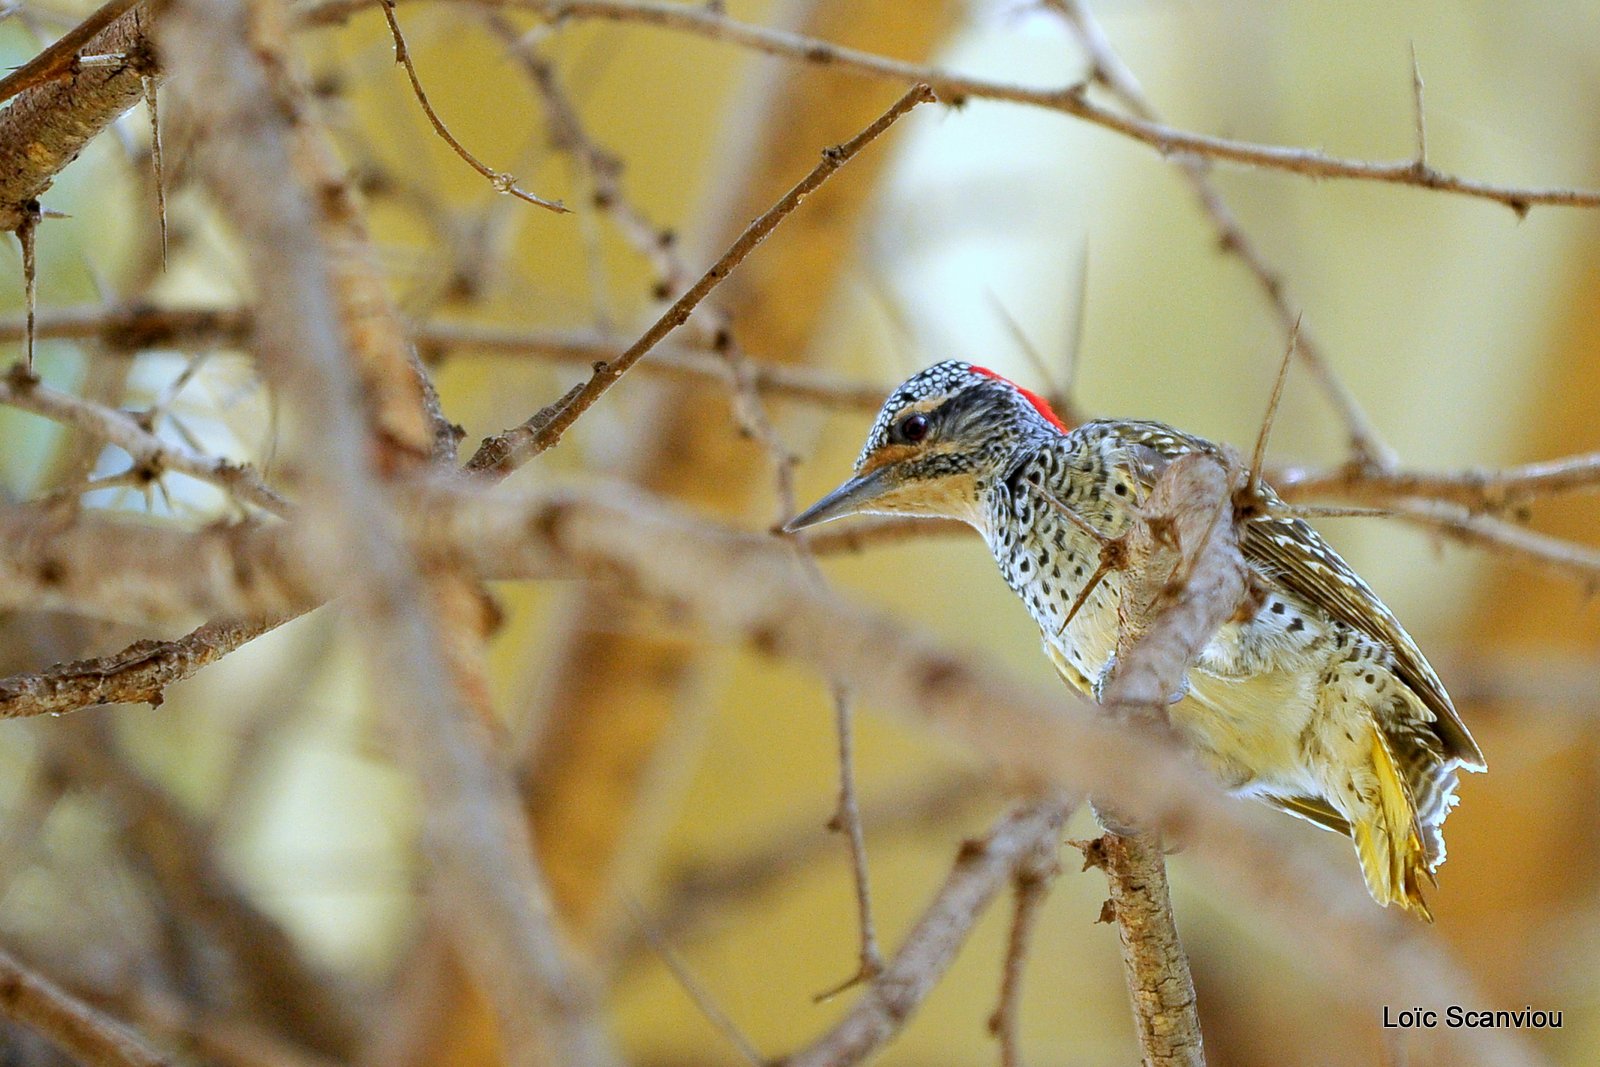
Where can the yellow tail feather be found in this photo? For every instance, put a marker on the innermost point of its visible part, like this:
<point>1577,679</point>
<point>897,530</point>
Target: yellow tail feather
<point>1389,842</point>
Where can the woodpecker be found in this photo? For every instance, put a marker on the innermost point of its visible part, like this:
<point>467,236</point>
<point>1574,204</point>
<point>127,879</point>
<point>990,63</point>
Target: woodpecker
<point>1315,700</point>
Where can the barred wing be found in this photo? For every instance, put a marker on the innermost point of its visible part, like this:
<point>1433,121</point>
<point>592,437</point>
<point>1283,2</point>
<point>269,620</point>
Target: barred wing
<point>1292,553</point>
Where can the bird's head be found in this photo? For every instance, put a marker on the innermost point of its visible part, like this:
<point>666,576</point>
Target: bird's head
<point>941,439</point>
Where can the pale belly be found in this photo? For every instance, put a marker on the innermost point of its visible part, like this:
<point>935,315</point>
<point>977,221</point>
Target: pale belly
<point>1250,732</point>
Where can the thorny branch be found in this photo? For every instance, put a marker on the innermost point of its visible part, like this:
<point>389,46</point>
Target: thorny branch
<point>609,373</point>
<point>1153,960</point>
<point>623,538</point>
<point>59,61</point>
<point>150,455</point>
<point>981,870</point>
<point>1107,68</point>
<point>258,568</point>
<point>1185,576</point>
<point>54,115</point>
<point>1073,100</point>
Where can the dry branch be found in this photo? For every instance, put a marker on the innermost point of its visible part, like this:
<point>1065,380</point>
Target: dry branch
<point>1107,68</point>
<point>1184,578</point>
<point>746,588</point>
<point>1159,984</point>
<point>1481,490</point>
<point>59,60</point>
<point>151,456</point>
<point>67,1022</point>
<point>608,374</point>
<point>310,277</point>
<point>50,121</point>
<point>982,869</point>
<point>129,330</point>
<point>138,674</point>
<point>710,22</point>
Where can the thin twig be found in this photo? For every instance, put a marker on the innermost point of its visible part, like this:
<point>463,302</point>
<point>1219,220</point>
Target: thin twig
<point>1107,68</point>
<point>1167,140</point>
<point>152,93</point>
<point>1258,457</point>
<point>28,237</point>
<point>151,456</point>
<point>981,869</point>
<point>503,183</point>
<point>847,821</point>
<point>696,990</point>
<point>607,374</point>
<point>1421,113</point>
<point>1030,887</point>
<point>68,1023</point>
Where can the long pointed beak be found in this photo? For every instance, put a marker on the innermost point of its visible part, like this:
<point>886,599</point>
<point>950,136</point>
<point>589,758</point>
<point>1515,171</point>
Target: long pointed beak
<point>851,498</point>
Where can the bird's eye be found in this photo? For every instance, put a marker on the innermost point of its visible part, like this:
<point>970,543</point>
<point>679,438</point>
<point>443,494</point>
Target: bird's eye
<point>913,428</point>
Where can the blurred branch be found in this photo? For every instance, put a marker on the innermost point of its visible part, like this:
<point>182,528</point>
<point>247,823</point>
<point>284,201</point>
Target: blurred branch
<point>60,106</point>
<point>1108,69</point>
<point>981,870</point>
<point>1481,490</point>
<point>71,1025</point>
<point>746,588</point>
<point>264,964</point>
<point>1073,100</point>
<point>103,567</point>
<point>139,674</point>
<point>500,456</point>
<point>318,307</point>
<point>862,534</point>
<point>1580,563</point>
<point>705,891</point>
<point>698,993</point>
<point>128,330</point>
<point>151,456</point>
<point>1030,887</point>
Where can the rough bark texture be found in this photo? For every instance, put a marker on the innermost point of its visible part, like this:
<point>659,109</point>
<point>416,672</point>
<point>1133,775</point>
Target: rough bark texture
<point>1165,1011</point>
<point>45,127</point>
<point>1185,578</point>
